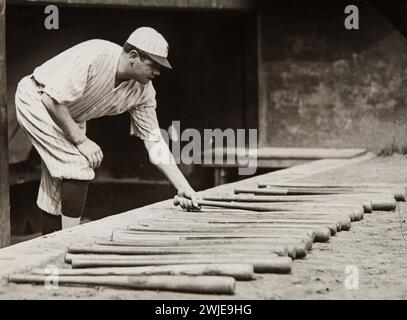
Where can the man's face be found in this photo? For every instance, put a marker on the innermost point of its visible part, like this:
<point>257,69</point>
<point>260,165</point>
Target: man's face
<point>144,70</point>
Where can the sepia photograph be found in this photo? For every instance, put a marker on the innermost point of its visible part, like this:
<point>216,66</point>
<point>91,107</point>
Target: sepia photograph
<point>222,151</point>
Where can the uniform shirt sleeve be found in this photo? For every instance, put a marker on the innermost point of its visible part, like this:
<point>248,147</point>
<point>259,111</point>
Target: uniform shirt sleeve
<point>64,77</point>
<point>144,122</point>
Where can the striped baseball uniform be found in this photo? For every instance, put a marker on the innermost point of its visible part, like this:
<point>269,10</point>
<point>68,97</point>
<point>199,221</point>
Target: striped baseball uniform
<point>83,79</point>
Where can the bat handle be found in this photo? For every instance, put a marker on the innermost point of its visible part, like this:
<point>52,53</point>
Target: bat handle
<point>177,201</point>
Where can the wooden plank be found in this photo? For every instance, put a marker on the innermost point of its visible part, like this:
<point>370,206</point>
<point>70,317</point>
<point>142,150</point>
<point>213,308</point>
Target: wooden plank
<point>177,4</point>
<point>261,163</point>
<point>4,174</point>
<point>292,153</point>
<point>309,153</point>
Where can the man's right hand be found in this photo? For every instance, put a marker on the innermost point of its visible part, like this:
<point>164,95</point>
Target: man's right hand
<point>92,153</point>
<point>189,200</point>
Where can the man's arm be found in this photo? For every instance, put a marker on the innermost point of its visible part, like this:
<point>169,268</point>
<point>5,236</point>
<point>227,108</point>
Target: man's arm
<point>63,119</point>
<point>161,156</point>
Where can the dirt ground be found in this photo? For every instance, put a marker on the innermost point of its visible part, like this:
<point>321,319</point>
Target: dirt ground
<point>375,247</point>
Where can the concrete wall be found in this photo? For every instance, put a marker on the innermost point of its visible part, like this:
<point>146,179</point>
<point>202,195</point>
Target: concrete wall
<point>325,86</point>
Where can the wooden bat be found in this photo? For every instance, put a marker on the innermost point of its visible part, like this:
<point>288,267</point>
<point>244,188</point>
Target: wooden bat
<point>260,264</point>
<point>219,204</point>
<point>327,200</point>
<point>301,247</point>
<point>241,272</point>
<point>321,233</point>
<point>379,185</point>
<point>353,214</point>
<point>370,201</point>
<point>69,257</point>
<point>170,236</point>
<point>272,207</point>
<point>281,250</point>
<point>399,195</point>
<point>341,222</point>
<point>242,217</point>
<point>201,227</point>
<point>331,185</point>
<point>191,284</point>
<point>307,242</point>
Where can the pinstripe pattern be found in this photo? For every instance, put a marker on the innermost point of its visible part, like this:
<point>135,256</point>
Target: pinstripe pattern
<point>82,78</point>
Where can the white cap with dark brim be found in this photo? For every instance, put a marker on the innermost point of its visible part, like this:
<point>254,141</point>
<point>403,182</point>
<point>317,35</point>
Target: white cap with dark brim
<point>152,43</point>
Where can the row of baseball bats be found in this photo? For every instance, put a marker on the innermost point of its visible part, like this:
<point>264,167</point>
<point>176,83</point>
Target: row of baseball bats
<point>254,230</point>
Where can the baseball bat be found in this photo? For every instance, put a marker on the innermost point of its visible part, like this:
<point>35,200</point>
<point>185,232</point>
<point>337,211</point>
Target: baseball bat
<point>219,204</point>
<point>320,199</point>
<point>241,272</point>
<point>372,185</point>
<point>69,257</point>
<point>282,184</point>
<point>265,207</point>
<point>281,250</point>
<point>321,233</point>
<point>295,251</point>
<point>260,264</point>
<point>398,194</point>
<point>169,225</point>
<point>300,246</point>
<point>306,242</point>
<point>342,222</point>
<point>322,236</point>
<point>191,284</point>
